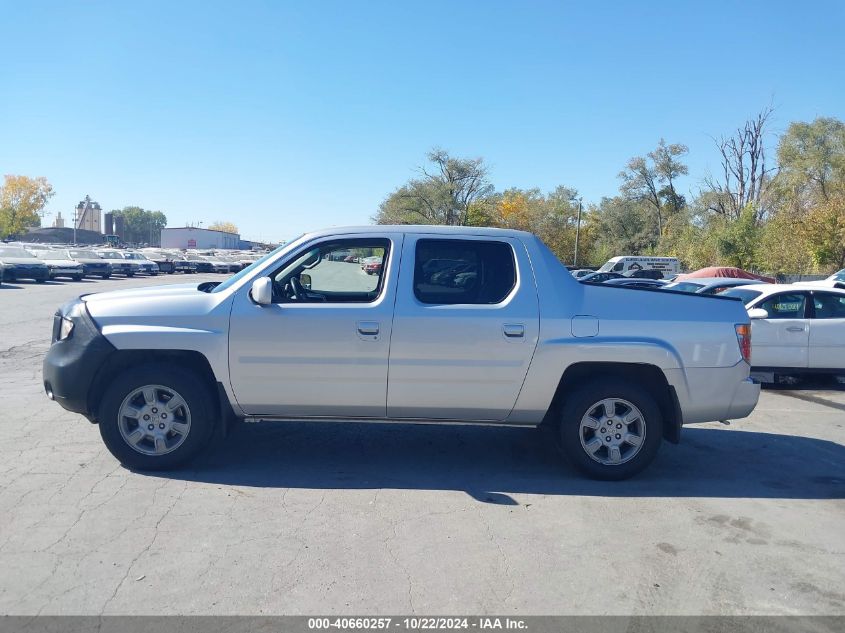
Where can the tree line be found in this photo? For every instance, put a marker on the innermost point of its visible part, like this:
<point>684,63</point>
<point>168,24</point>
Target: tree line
<point>781,214</point>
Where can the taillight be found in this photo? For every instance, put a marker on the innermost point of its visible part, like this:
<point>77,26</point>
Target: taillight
<point>743,337</point>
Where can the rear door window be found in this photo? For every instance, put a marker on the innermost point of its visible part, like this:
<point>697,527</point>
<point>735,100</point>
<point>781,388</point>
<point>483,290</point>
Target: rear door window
<point>828,306</point>
<point>450,271</point>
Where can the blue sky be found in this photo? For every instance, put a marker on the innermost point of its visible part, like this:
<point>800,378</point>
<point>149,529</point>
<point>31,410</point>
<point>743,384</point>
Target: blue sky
<point>284,117</point>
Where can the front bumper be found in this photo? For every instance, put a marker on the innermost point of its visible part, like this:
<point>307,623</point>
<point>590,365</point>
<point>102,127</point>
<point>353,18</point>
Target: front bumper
<point>96,269</point>
<point>28,272</point>
<point>65,271</point>
<point>71,365</point>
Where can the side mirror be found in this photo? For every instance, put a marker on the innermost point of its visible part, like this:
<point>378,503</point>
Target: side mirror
<point>305,280</point>
<point>262,291</point>
<point>758,313</point>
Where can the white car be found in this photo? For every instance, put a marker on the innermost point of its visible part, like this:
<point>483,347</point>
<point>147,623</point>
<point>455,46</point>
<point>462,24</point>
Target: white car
<point>836,280</point>
<point>796,328</point>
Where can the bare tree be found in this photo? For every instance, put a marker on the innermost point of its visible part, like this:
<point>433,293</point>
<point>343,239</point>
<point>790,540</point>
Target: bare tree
<point>745,178</point>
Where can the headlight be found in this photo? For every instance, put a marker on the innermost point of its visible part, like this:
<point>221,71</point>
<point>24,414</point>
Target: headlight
<point>65,328</point>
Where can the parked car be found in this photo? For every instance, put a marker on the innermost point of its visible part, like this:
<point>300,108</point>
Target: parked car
<point>159,369</point>
<point>644,273</point>
<point>208,264</point>
<point>372,265</point>
<point>636,282</point>
<point>119,263</point>
<point>92,264</point>
<point>600,277</point>
<point>182,264</point>
<point>836,280</point>
<point>21,264</point>
<point>60,264</point>
<point>145,265</point>
<point>796,329</point>
<point>709,285</point>
<point>164,261</point>
<point>581,272</point>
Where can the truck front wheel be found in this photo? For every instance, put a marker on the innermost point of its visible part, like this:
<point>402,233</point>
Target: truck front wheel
<point>156,417</point>
<point>610,429</point>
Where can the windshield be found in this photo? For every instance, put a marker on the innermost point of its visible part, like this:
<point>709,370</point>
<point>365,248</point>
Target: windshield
<point>108,255</point>
<point>52,255</point>
<point>246,271</point>
<point>608,266</point>
<point>743,294</point>
<point>8,251</point>
<point>84,254</point>
<point>840,276</point>
<point>134,256</point>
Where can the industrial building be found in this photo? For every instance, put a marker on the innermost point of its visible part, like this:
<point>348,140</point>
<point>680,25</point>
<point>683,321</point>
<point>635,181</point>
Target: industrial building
<point>194,237</point>
<point>89,215</point>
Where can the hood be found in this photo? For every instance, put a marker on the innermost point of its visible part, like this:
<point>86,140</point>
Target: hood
<point>176,305</point>
<point>90,260</point>
<point>152,292</point>
<point>60,262</point>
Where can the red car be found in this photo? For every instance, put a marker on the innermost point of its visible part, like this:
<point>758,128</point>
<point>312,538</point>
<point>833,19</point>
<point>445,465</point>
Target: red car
<point>373,267</point>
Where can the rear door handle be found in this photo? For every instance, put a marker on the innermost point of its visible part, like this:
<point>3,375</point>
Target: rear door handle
<point>795,328</point>
<point>368,328</point>
<point>513,330</point>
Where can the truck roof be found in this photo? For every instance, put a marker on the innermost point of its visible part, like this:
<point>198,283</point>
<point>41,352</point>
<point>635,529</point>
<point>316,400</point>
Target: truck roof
<point>423,228</point>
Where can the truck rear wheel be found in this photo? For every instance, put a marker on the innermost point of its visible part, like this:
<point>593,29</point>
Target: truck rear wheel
<point>156,417</point>
<point>610,429</point>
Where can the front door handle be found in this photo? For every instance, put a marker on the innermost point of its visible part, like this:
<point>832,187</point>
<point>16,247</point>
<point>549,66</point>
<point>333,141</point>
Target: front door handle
<point>513,330</point>
<point>795,328</point>
<point>368,328</point>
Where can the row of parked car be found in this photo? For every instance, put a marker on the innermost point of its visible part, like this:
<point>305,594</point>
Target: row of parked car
<point>797,328</point>
<point>40,262</point>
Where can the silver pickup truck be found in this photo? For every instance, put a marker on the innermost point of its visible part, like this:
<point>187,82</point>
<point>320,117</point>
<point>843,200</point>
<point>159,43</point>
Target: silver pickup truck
<point>405,323</point>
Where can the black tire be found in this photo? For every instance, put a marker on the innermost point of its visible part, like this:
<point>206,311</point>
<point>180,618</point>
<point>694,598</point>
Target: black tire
<point>197,395</point>
<point>105,276</point>
<point>583,400</point>
<point>40,281</point>
<point>77,277</point>
<point>130,274</point>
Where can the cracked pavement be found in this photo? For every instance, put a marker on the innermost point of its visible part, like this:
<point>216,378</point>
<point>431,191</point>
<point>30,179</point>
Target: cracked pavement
<point>351,518</point>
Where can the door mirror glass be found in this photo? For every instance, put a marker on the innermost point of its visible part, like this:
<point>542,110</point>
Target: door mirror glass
<point>305,280</point>
<point>758,313</point>
<point>262,291</point>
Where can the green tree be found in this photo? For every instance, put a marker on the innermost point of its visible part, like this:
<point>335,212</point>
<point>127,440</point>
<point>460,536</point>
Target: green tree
<point>141,226</point>
<point>737,241</point>
<point>22,200</point>
<point>812,158</point>
<point>623,226</point>
<point>651,180</point>
<point>449,191</point>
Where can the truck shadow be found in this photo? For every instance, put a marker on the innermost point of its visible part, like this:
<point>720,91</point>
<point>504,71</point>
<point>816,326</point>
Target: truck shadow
<point>491,463</point>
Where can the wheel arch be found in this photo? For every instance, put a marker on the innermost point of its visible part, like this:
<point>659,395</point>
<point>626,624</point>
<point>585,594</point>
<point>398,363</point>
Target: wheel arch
<point>646,375</point>
<point>192,360</point>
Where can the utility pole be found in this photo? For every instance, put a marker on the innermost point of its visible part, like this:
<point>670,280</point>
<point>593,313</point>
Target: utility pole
<point>577,232</point>
<point>75,214</point>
